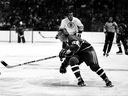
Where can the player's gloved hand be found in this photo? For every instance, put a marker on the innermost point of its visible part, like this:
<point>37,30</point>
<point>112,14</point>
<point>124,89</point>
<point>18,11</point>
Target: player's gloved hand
<point>63,69</point>
<point>79,34</point>
<point>62,54</point>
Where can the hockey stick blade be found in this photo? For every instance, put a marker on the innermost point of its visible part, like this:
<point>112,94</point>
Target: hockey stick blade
<point>4,63</point>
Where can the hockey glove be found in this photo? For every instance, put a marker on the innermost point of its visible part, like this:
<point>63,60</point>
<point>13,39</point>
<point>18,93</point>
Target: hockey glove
<point>62,54</point>
<point>63,69</point>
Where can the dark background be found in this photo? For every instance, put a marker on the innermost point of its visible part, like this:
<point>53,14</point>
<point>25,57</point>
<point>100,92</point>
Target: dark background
<point>45,15</point>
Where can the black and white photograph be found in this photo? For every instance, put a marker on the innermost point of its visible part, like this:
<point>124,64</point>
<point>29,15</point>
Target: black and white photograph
<point>63,48</point>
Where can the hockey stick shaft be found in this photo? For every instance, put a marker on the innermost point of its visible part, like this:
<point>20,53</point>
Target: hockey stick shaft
<point>9,66</point>
<point>44,36</point>
<point>41,35</point>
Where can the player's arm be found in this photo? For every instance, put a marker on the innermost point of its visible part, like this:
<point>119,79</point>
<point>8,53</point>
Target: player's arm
<point>80,27</point>
<point>74,47</point>
<point>126,30</point>
<point>69,50</point>
<point>105,27</point>
<point>80,30</point>
<point>63,52</point>
<point>62,25</point>
<point>116,27</point>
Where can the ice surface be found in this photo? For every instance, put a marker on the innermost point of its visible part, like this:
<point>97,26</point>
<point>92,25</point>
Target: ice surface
<point>43,78</point>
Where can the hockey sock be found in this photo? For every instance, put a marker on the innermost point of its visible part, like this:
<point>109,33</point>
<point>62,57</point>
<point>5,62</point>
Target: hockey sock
<point>76,71</point>
<point>101,73</point>
<point>75,67</point>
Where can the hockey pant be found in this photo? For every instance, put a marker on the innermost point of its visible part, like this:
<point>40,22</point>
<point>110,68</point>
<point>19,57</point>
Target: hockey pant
<point>21,37</point>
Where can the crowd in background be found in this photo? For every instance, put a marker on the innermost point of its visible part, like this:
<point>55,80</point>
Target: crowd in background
<point>47,14</point>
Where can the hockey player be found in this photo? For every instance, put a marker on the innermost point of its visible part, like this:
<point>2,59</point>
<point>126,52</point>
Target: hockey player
<point>72,24</point>
<point>20,30</point>
<point>122,36</point>
<point>110,29</point>
<point>76,52</point>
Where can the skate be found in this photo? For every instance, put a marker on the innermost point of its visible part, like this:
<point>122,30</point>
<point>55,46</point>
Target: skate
<point>107,54</point>
<point>119,52</point>
<point>108,83</point>
<point>81,82</point>
<point>104,54</point>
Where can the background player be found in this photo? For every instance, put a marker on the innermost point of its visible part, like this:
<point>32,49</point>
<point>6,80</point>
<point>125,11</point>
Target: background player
<point>122,36</point>
<point>110,29</point>
<point>76,52</point>
<point>72,24</point>
<point>20,28</point>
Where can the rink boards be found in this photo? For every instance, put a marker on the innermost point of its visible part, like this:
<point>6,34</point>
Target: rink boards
<point>34,36</point>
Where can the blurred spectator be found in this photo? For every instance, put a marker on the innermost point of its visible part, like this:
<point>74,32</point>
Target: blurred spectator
<point>47,14</point>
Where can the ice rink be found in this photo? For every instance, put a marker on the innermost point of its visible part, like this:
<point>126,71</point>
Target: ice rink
<point>43,78</point>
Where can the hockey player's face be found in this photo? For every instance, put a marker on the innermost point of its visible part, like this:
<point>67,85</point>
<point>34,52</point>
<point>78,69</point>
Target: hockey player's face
<point>61,37</point>
<point>70,16</point>
<point>110,19</point>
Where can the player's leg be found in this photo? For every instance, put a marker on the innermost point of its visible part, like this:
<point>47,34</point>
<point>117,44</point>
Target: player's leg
<point>118,39</point>
<point>101,73</point>
<point>105,44</point>
<point>125,44</point>
<point>92,61</point>
<point>22,37</point>
<point>19,39</point>
<point>110,38</point>
<point>74,63</point>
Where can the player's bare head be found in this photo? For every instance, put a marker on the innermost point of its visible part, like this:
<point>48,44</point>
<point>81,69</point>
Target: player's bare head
<point>62,35</point>
<point>110,19</point>
<point>21,23</point>
<point>70,15</point>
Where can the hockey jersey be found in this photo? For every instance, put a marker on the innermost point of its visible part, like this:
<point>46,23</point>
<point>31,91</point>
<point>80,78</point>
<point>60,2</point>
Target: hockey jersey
<point>71,26</point>
<point>76,44</point>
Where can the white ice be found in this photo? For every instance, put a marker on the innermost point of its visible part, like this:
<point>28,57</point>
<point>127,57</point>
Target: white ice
<point>43,78</point>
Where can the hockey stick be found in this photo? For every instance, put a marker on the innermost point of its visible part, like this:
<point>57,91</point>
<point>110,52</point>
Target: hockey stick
<point>44,36</point>
<point>11,66</point>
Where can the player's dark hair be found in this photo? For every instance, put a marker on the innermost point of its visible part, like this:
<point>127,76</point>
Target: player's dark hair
<point>68,11</point>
